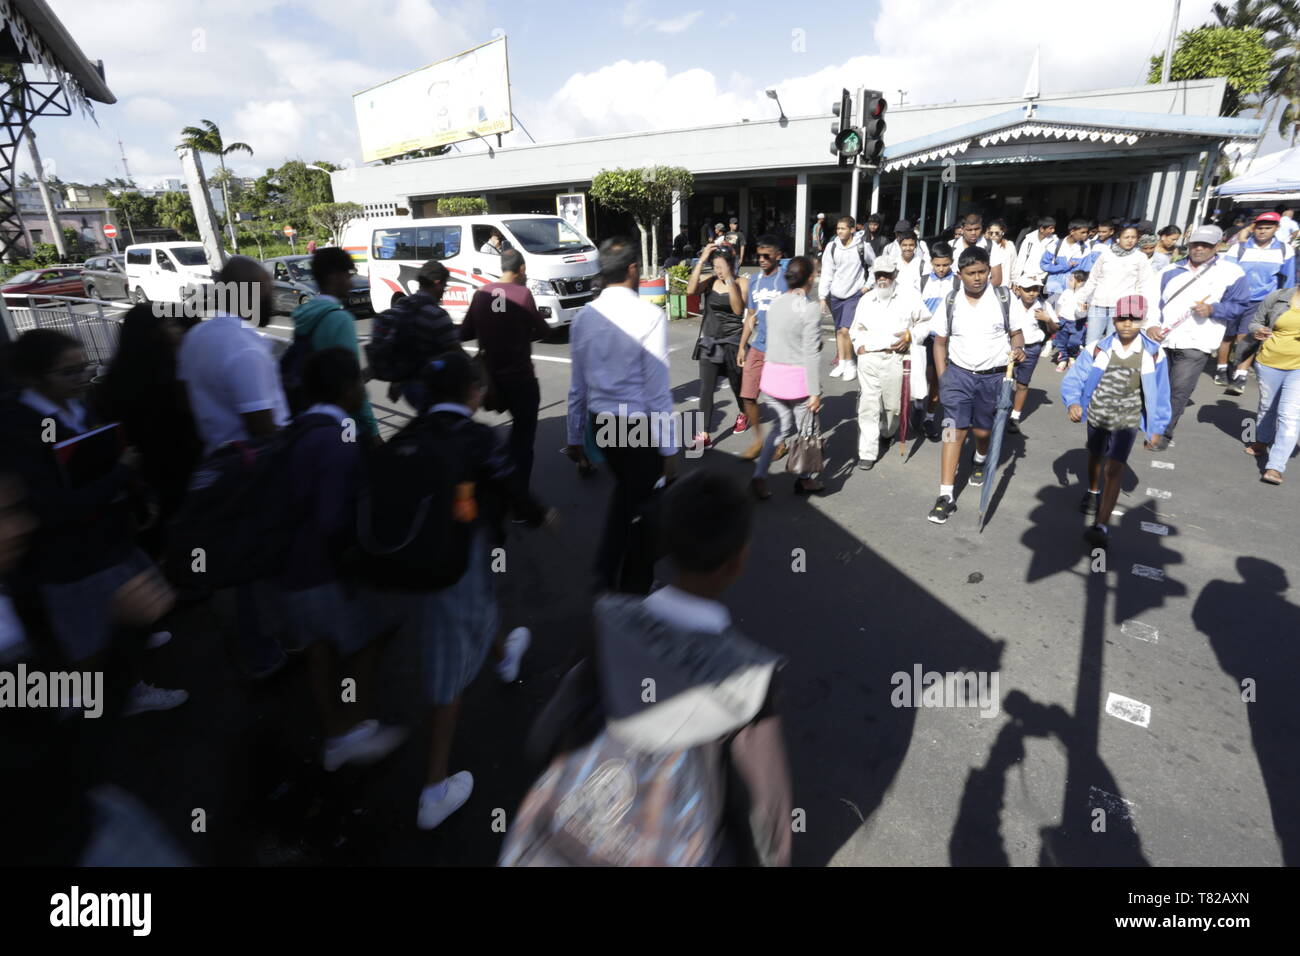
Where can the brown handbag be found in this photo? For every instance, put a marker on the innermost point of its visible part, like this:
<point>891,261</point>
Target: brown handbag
<point>806,451</point>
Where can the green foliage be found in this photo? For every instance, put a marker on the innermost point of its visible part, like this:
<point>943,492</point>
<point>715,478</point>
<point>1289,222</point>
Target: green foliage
<point>332,217</point>
<point>1237,54</point>
<point>678,277</point>
<point>45,254</point>
<point>133,210</point>
<point>175,212</point>
<point>644,194</point>
<point>462,206</point>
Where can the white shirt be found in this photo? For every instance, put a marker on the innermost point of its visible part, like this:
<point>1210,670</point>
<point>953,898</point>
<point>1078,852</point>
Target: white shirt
<point>1029,259</point>
<point>1286,229</point>
<point>1119,350</point>
<point>1204,334</point>
<point>877,321</point>
<point>619,349</point>
<point>1112,277</point>
<point>73,418</point>
<point>979,339</point>
<point>922,253</point>
<point>229,371</point>
<point>687,611</point>
<point>1022,318</point>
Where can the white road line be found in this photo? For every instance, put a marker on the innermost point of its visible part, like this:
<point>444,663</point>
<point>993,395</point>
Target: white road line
<point>1152,527</point>
<point>1156,463</point>
<point>1126,708</point>
<point>1111,803</point>
<point>1140,632</point>
<point>1145,571</point>
<point>1162,495</point>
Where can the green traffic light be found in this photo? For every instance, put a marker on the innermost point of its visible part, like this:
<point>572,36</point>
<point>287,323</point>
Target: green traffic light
<point>849,142</point>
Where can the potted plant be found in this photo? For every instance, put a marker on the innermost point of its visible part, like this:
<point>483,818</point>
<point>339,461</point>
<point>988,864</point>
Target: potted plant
<point>678,277</point>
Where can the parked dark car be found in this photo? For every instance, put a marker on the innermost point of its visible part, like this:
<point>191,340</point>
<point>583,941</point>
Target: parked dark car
<point>294,285</point>
<point>104,277</point>
<point>39,283</point>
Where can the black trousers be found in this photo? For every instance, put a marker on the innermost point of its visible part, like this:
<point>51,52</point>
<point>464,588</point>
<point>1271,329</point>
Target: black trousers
<point>709,372</point>
<point>626,557</point>
<point>522,398</point>
<point>1185,368</point>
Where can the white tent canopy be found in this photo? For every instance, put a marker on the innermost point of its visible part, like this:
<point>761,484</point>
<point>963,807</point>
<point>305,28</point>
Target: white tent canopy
<point>1275,173</point>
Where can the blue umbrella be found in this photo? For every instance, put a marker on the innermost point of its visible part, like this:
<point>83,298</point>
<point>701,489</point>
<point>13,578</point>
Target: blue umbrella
<point>995,439</point>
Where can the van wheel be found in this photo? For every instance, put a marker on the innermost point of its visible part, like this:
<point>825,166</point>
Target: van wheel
<point>138,297</point>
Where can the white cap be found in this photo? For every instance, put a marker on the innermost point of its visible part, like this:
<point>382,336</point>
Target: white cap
<point>821,215</point>
<point>884,264</point>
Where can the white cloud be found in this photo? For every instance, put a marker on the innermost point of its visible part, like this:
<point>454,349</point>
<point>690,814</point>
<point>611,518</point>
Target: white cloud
<point>680,25</point>
<point>637,18</point>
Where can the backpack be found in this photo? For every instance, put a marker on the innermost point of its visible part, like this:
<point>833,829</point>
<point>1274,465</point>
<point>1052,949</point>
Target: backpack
<point>236,521</point>
<point>608,805</point>
<point>1004,297</point>
<point>416,509</point>
<point>398,345</point>
<point>292,363</point>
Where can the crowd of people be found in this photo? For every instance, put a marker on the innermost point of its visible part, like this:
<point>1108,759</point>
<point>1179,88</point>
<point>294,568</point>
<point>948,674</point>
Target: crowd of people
<point>108,486</point>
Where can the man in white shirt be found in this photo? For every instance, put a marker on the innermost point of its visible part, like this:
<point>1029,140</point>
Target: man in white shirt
<point>1199,297</point>
<point>970,353</point>
<point>972,237</point>
<point>886,322</point>
<point>1033,315</point>
<point>1031,247</point>
<point>620,386</point>
<point>229,371</point>
<point>844,279</point>
<point>1288,226</point>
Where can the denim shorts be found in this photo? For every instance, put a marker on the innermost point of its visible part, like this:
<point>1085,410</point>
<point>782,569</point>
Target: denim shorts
<point>968,399</point>
<point>1115,444</point>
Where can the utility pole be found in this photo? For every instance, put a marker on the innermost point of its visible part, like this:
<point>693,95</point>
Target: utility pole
<point>125,168</point>
<point>45,195</point>
<point>1169,46</point>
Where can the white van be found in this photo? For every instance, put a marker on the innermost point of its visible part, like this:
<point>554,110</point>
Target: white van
<point>561,262</point>
<point>165,271</point>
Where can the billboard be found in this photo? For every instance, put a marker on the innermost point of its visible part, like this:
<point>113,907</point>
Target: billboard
<point>445,102</point>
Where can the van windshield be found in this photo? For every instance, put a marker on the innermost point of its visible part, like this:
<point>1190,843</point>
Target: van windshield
<point>548,237</point>
<point>189,255</point>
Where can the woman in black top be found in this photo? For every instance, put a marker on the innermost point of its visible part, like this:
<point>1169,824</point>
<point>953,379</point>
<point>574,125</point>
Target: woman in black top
<point>724,294</point>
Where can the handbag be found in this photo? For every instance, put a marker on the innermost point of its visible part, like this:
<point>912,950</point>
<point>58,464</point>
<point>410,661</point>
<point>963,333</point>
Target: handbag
<point>805,456</point>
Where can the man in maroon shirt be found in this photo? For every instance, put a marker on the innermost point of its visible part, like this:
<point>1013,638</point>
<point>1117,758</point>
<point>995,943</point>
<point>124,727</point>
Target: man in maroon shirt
<point>504,318</point>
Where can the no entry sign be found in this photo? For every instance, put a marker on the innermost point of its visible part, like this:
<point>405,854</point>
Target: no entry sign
<point>290,231</point>
<point>110,231</point>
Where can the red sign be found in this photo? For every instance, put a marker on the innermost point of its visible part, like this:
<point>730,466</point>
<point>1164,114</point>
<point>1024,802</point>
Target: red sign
<point>110,231</point>
<point>290,231</point>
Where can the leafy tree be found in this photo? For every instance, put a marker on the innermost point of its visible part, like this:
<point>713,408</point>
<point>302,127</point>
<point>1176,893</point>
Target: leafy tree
<point>1238,54</point>
<point>1283,26</point>
<point>176,212</point>
<point>462,206</point>
<point>45,253</point>
<point>646,195</point>
<point>207,139</point>
<point>135,211</point>
<point>333,217</point>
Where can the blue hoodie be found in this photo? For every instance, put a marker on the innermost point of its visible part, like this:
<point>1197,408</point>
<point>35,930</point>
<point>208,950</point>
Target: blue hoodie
<point>1082,378</point>
<point>323,319</point>
<point>1269,268</point>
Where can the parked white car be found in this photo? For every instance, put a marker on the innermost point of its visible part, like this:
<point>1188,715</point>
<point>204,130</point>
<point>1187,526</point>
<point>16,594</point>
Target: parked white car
<point>166,271</point>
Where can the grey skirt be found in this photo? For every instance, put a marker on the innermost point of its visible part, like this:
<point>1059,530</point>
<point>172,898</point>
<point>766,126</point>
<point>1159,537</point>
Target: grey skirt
<point>456,626</point>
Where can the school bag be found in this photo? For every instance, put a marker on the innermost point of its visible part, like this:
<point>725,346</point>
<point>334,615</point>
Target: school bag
<point>1004,297</point>
<point>416,509</point>
<point>403,337</point>
<point>237,519</point>
<point>292,363</point>
<point>608,805</point>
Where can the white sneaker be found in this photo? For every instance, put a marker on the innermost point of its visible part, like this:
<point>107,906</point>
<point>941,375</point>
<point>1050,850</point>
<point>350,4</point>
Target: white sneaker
<point>433,811</point>
<point>850,370</point>
<point>157,639</point>
<point>145,697</point>
<point>838,370</point>
<point>367,742</point>
<point>517,642</point>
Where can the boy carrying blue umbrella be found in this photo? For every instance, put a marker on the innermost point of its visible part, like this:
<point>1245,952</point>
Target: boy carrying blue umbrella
<point>1121,384</point>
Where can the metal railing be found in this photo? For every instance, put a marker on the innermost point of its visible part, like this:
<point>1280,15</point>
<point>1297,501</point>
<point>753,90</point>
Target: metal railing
<point>95,323</point>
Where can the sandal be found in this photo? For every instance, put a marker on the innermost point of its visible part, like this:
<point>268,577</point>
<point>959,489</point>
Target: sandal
<point>1271,477</point>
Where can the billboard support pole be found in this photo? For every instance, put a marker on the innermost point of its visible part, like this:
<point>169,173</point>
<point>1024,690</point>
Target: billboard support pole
<point>203,213</point>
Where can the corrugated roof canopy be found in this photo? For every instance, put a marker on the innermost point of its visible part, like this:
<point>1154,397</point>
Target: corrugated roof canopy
<point>33,34</point>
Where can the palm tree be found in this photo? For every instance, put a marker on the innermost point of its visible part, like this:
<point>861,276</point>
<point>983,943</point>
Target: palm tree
<point>1283,22</point>
<point>207,139</point>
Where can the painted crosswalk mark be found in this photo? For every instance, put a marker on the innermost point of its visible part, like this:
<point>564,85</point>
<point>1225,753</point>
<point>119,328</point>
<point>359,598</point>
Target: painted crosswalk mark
<point>1153,527</point>
<point>1126,708</point>
<point>1161,464</point>
<point>1146,571</point>
<point>1139,631</point>
<point>1162,495</point>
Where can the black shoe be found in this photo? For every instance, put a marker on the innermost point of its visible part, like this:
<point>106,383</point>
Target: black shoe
<point>1237,387</point>
<point>866,464</point>
<point>932,429</point>
<point>977,475</point>
<point>1221,376</point>
<point>1090,503</point>
<point>1013,426</point>
<point>943,507</point>
<point>1097,536</point>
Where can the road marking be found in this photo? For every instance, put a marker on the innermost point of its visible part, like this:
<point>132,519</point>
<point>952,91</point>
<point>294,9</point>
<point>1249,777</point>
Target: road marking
<point>1118,512</point>
<point>1140,632</point>
<point>1155,463</point>
<point>1126,708</point>
<point>1145,571</point>
<point>1111,803</point>
<point>1152,527</point>
<point>1162,495</point>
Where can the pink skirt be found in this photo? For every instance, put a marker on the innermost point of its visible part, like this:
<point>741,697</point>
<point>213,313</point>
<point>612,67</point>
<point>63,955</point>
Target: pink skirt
<point>788,382</point>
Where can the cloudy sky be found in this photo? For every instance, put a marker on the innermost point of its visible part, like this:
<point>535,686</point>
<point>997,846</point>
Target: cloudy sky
<point>280,74</point>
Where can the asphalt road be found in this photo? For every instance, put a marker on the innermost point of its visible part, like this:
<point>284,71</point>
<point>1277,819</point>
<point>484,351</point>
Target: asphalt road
<point>1195,599</point>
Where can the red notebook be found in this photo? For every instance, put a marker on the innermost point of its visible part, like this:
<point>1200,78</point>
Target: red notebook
<point>90,455</point>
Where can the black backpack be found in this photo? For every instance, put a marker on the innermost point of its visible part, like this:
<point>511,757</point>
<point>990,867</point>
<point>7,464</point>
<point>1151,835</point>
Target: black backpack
<point>237,519</point>
<point>404,337</point>
<point>291,366</point>
<point>416,511</point>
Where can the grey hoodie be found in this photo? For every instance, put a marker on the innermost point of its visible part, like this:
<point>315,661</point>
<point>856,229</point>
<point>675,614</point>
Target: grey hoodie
<point>842,273</point>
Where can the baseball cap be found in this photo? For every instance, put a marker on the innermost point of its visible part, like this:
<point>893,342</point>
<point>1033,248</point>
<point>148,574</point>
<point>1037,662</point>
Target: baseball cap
<point>884,264</point>
<point>821,215</point>
<point>1268,217</point>
<point>1147,240</point>
<point>1131,307</point>
<point>735,220</point>
<point>902,226</point>
<point>719,225</point>
<point>1212,235</point>
<point>1029,282</point>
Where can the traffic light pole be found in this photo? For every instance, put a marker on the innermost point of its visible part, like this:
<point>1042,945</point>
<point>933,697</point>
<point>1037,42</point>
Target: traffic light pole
<point>853,167</point>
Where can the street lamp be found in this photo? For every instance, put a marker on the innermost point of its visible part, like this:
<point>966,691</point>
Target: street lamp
<point>772,93</point>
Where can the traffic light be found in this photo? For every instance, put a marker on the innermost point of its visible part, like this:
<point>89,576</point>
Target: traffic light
<point>873,127</point>
<point>848,139</point>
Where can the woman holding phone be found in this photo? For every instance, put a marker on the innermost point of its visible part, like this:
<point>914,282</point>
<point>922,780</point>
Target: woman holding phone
<point>723,295</point>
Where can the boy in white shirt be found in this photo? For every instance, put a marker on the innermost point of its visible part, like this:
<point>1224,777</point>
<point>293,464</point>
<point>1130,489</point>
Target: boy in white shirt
<point>1033,315</point>
<point>1072,329</point>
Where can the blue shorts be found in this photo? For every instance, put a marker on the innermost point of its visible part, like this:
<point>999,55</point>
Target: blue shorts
<point>1025,370</point>
<point>969,400</point>
<point>842,310</point>
<point>1113,444</point>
